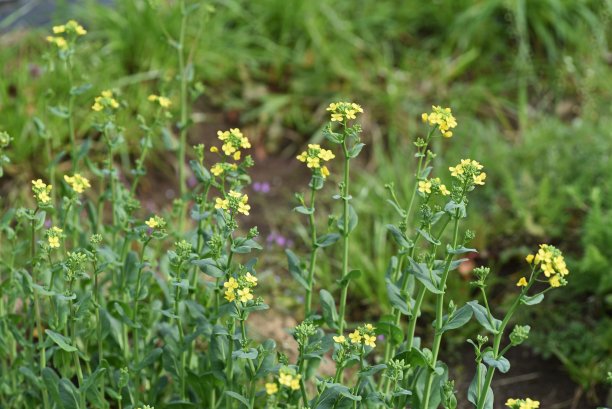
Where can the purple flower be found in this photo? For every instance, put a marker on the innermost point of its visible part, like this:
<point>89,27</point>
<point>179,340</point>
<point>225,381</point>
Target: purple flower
<point>261,187</point>
<point>381,337</point>
<point>47,223</point>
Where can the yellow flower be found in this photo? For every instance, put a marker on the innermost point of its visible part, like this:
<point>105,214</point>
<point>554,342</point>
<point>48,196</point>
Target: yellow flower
<point>77,182</point>
<point>233,140</point>
<point>221,204</point>
<point>456,170</point>
<point>217,169</point>
<point>369,327</point>
<point>59,42</point>
<point>236,155</point>
<point>152,223</point>
<point>340,339</point>
<point>425,186</point>
<point>38,184</point>
<point>344,110</point>
<point>355,337</point>
<point>548,269</point>
<point>442,118</point>
<point>231,284</point>
<point>324,172</point>
<point>41,191</point>
<point>522,404</point>
<point>251,279</point>
<point>295,382</point>
<point>479,179</point>
<point>214,149</point>
<point>162,101</point>
<point>369,340</point>
<point>245,294</point>
<point>522,282</point>
<point>73,27</point>
<point>230,295</point>
<point>271,388</point>
<point>529,258</point>
<point>555,281</point>
<point>336,117</point>
<point>59,29</point>
<point>105,101</point>
<point>444,190</point>
<point>285,379</point>
<point>54,234</point>
<point>54,242</point>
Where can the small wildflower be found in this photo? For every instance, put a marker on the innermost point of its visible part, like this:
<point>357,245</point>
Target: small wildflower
<point>442,118</point>
<point>355,337</point>
<point>314,155</point>
<point>369,340</point>
<point>54,234</point>
<point>344,110</point>
<point>271,388</point>
<point>522,282</point>
<point>41,192</point>
<point>156,222</point>
<point>245,294</point>
<point>251,279</point>
<point>77,182</point>
<point>106,100</point>
<point>340,339</point>
<point>425,186</point>
<point>59,42</point>
<point>522,404</point>
<point>161,101</point>
<point>529,258</point>
<point>551,263</point>
<point>235,201</point>
<point>233,141</point>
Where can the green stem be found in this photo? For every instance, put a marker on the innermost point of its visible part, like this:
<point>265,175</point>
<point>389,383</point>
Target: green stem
<point>77,360</point>
<point>184,107</point>
<point>230,362</point>
<point>98,323</point>
<point>345,237</point>
<point>313,254</point>
<point>71,129</point>
<point>439,314</point>
<point>181,337</point>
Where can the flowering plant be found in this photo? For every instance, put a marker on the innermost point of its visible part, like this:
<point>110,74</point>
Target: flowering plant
<point>105,305</point>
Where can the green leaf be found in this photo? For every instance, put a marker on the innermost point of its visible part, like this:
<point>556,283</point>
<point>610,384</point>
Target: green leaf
<point>200,172</point>
<point>475,387</point>
<point>413,357</point>
<point>387,327</point>
<point>355,150</point>
<point>209,267</point>
<point>149,360</point>
<point>399,237</point>
<point>459,318</point>
<point>536,299</point>
<point>303,210</point>
<point>501,363</point>
<point>68,394</point>
<point>327,239</point>
<point>371,370</point>
<point>294,268</point>
<point>238,397</point>
<point>426,276</point>
<point>80,89</point>
<point>248,354</point>
<point>30,376</point>
<point>459,250</point>
<point>397,300</point>
<point>483,317</point>
<point>330,315</point>
<point>428,237</point>
<point>351,275</point>
<point>60,112</point>
<point>61,341</point>
<point>51,381</point>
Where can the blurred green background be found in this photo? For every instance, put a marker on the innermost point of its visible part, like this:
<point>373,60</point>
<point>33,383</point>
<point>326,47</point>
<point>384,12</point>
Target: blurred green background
<point>529,81</point>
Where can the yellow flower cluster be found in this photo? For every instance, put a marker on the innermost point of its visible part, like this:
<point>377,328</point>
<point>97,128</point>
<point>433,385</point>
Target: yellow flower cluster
<point>313,156</point>
<point>442,118</point>
<point>288,378</point>
<point>156,222</point>
<point>234,201</point>
<point>240,289</point>
<point>362,335</point>
<point>54,235</point>
<point>426,187</point>
<point>220,168</point>
<point>77,182</point>
<point>522,404</point>
<point>41,191</point>
<point>105,101</point>
<point>469,170</point>
<point>233,140</point>
<point>162,101</point>
<point>71,28</point>
<point>551,261</point>
<point>341,111</point>
<point>146,407</point>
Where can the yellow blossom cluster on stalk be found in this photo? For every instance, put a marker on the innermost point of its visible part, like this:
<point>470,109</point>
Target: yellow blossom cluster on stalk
<point>240,289</point>
<point>41,192</point>
<point>156,222</point>
<point>271,388</point>
<point>234,202</point>
<point>313,156</point>
<point>442,118</point>
<point>163,102</point>
<point>522,404</point>
<point>433,185</point>
<point>551,262</point>
<point>288,378</point>
<point>77,182</point>
<point>343,111</point>
<point>469,171</point>
<point>106,100</point>
<point>220,168</point>
<point>364,335</point>
<point>233,141</point>
<point>54,235</point>
<point>70,29</point>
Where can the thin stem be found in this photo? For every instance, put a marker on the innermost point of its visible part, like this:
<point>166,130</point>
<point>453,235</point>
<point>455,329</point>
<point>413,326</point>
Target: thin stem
<point>313,254</point>
<point>184,108</point>
<point>179,323</point>
<point>345,236</point>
